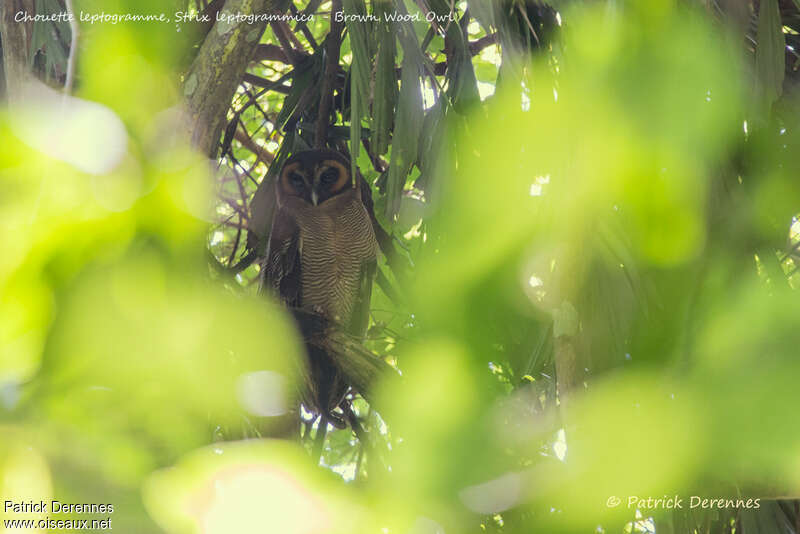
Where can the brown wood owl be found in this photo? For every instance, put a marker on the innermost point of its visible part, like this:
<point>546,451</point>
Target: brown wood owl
<point>321,255</point>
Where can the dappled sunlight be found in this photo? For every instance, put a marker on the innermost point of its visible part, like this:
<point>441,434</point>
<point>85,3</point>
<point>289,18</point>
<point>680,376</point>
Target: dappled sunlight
<point>25,475</point>
<point>87,135</point>
<point>248,487</point>
<point>585,223</point>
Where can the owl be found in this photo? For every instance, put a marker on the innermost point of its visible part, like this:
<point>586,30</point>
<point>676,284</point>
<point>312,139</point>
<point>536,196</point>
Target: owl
<point>321,255</point>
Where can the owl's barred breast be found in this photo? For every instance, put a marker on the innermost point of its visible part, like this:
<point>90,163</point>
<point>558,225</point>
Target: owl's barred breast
<point>336,240</point>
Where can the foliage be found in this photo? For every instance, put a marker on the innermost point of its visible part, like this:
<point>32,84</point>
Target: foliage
<point>589,284</point>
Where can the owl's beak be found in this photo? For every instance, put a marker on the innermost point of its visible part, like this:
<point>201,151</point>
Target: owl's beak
<point>314,197</point>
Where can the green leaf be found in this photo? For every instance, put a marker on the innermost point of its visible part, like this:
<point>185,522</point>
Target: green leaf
<point>385,97</point>
<point>770,52</point>
<point>486,72</point>
<point>408,120</point>
<point>305,76</point>
<point>483,11</point>
<point>768,519</point>
<point>355,123</point>
<point>461,81</point>
<point>359,43</point>
<point>47,40</point>
<point>433,133</point>
<point>359,71</point>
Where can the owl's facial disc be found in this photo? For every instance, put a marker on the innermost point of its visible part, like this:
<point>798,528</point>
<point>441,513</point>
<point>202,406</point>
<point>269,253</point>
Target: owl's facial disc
<point>323,184</point>
<point>295,181</point>
<point>330,179</point>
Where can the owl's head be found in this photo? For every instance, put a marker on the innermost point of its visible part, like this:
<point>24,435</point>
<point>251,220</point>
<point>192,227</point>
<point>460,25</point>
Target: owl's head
<point>315,176</point>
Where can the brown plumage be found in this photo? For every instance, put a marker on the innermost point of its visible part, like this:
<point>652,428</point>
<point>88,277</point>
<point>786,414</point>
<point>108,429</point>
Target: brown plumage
<point>321,256</point>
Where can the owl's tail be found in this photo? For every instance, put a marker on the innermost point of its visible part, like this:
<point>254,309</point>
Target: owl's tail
<point>337,361</point>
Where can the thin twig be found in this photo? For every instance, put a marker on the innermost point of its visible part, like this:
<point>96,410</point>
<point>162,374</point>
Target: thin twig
<point>234,205</point>
<point>262,154</point>
<point>282,34</point>
<point>298,46</point>
<point>301,25</point>
<point>252,79</point>
<point>475,48</point>
<point>242,218</point>
<point>227,223</point>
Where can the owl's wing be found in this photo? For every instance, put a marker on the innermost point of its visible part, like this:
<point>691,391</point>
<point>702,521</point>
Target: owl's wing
<point>282,265</point>
<point>359,320</point>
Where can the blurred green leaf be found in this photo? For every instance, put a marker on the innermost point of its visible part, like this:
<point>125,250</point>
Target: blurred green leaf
<point>770,52</point>
<point>607,190</point>
<point>249,486</point>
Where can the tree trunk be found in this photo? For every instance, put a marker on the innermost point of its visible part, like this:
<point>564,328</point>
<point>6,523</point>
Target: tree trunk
<point>218,69</point>
<point>16,39</point>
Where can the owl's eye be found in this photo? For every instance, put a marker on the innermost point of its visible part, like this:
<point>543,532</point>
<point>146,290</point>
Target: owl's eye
<point>329,176</point>
<point>296,180</point>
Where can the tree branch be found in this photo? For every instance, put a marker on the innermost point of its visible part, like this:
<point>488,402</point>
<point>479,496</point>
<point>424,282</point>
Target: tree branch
<point>475,48</point>
<point>252,79</point>
<point>270,52</point>
<point>282,32</point>
<point>333,43</point>
<point>303,27</point>
<point>217,71</point>
<point>16,38</point>
<point>261,153</point>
